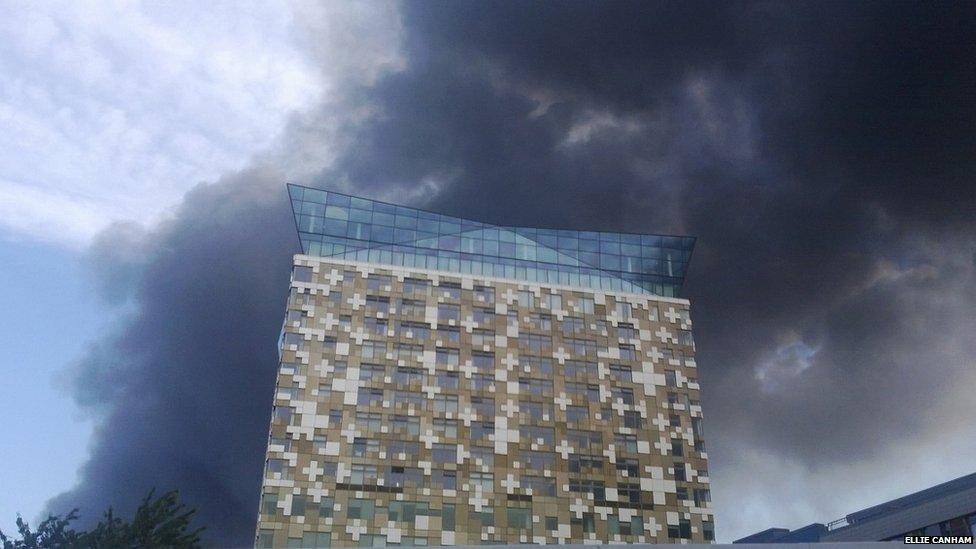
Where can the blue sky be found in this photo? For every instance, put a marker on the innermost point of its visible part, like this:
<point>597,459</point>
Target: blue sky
<point>111,111</point>
<point>49,313</point>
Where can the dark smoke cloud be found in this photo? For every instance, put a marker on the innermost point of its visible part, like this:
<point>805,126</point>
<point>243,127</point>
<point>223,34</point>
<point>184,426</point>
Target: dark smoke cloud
<point>822,153</point>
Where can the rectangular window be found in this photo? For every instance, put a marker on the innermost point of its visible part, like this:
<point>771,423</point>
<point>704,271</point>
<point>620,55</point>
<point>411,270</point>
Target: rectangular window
<point>406,425</point>
<point>624,394</point>
<point>572,325</point>
<point>538,435</point>
<point>537,344</point>
<point>537,411</point>
<point>677,448</point>
<point>415,286</point>
<point>445,428</point>
<point>484,406</point>
<point>585,305</point>
<point>369,421</point>
<point>584,439</point>
<point>485,294</point>
<point>679,472</point>
<point>326,507</point>
<point>379,283</point>
<point>485,480</point>
<point>405,375</point>
<point>370,397</point>
<point>623,310</point>
<point>536,365</point>
<point>682,530</point>
<point>414,330</point>
<point>447,357</point>
<point>583,463</point>
<point>444,480</point>
<point>374,350</point>
<point>578,368</point>
<point>626,331</point>
<point>629,466</point>
<point>446,403</point>
<point>408,398</point>
<point>518,518</point>
<point>408,351</point>
<point>484,317</point>
<point>450,334</point>
<point>406,511</point>
<point>632,419</point>
<point>622,373</point>
<point>480,430</point>
<point>448,519</point>
<point>362,447</point>
<point>396,447</point>
<point>363,474</point>
<point>627,352</point>
<point>448,380</point>
<point>526,299</point>
<point>535,387</point>
<point>483,361</point>
<point>581,347</point>
<point>450,290</point>
<point>577,415</point>
<point>625,443</point>
<point>553,301</point>
<point>361,509</point>
<point>372,372</point>
<point>480,338</point>
<point>670,378</point>
<point>482,382</point>
<point>540,321</point>
<point>702,496</point>
<point>269,504</point>
<point>444,453</point>
<point>483,456</point>
<point>447,312</point>
<point>538,461</point>
<point>412,307</point>
<point>377,304</point>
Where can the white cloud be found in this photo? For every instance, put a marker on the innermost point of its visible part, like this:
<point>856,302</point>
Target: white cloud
<point>112,110</point>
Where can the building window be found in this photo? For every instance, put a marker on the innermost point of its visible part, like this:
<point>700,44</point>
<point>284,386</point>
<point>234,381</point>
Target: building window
<point>623,310</point>
<point>682,530</point>
<point>447,312</point>
<point>269,504</point>
<point>679,472</point>
<point>518,518</point>
<point>702,496</point>
<point>444,453</point>
<point>407,511</point>
<point>363,474</point>
<point>677,448</point>
<point>446,403</point>
<point>361,509</point>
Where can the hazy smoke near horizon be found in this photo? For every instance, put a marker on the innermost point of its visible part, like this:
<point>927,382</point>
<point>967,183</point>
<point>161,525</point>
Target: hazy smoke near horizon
<point>822,153</point>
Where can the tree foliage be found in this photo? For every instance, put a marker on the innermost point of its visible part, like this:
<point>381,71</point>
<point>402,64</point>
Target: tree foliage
<point>160,522</point>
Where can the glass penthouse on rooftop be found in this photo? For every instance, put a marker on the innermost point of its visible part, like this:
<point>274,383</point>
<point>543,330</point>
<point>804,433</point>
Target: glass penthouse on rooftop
<point>332,224</point>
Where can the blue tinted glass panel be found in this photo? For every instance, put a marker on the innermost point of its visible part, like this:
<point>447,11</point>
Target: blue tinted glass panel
<point>337,225</point>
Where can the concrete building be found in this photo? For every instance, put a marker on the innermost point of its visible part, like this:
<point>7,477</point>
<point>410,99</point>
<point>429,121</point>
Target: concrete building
<point>450,382</point>
<point>948,509</point>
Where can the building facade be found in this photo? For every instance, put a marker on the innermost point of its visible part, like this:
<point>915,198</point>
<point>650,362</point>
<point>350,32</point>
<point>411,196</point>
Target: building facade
<point>450,382</point>
<point>947,509</point>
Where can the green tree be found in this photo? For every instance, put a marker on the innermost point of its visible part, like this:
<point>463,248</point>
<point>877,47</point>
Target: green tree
<point>160,522</point>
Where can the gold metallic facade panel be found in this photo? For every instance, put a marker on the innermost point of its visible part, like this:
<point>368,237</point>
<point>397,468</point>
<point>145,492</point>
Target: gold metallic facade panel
<point>417,407</point>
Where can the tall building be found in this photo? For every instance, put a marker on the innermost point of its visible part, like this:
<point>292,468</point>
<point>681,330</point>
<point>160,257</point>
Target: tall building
<point>445,381</point>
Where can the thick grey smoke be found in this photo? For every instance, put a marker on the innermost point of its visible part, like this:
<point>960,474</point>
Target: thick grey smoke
<point>822,153</point>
